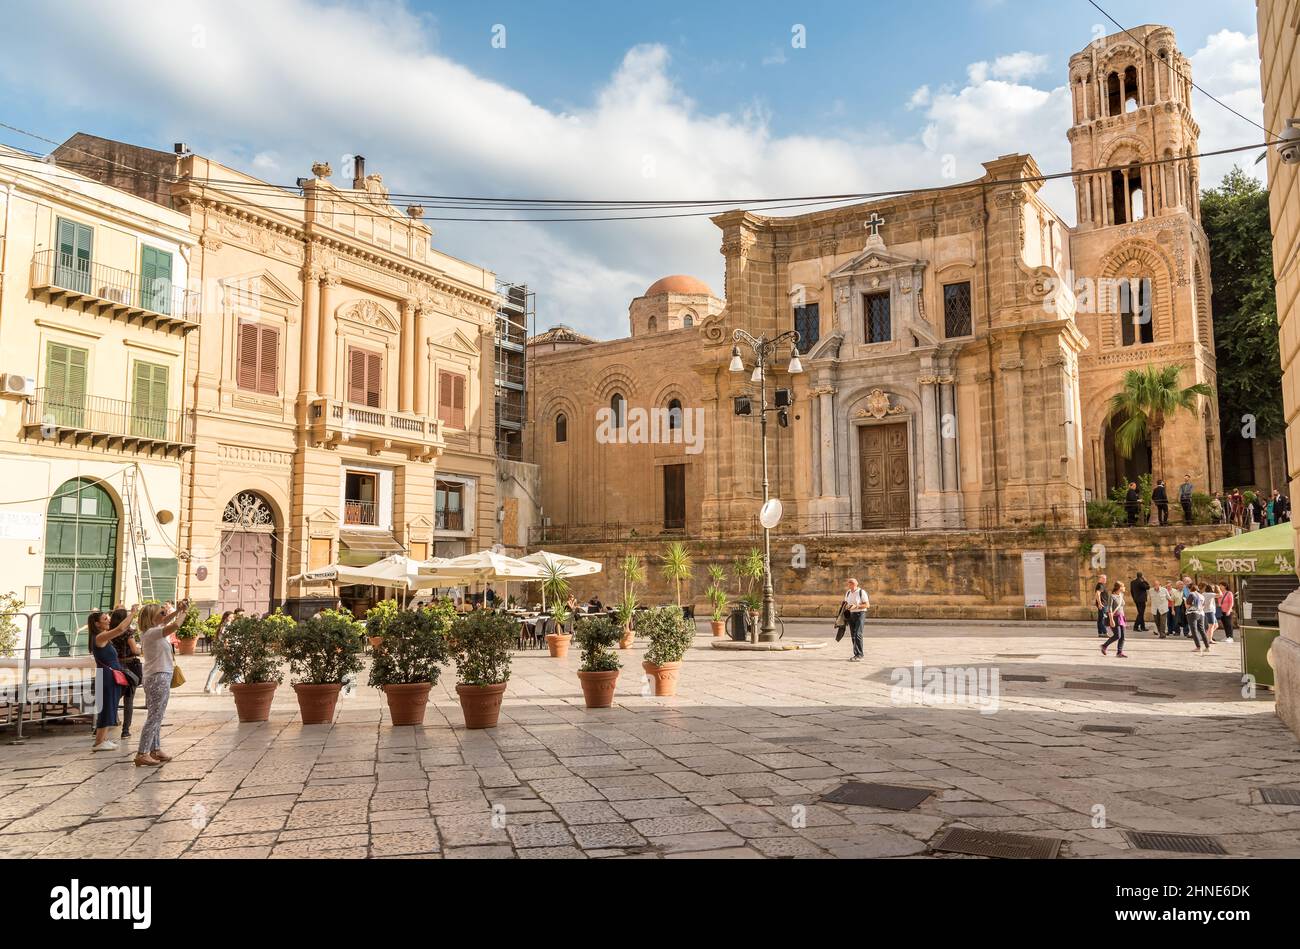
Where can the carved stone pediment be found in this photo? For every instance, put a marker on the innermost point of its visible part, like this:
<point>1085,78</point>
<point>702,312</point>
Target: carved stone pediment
<point>457,342</point>
<point>368,313</point>
<point>879,405</point>
<point>873,260</point>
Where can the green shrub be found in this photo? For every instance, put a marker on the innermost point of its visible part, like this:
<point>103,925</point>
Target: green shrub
<point>670,634</point>
<point>1105,514</point>
<point>1201,508</point>
<point>380,615</point>
<point>9,630</point>
<point>192,626</point>
<point>415,648</point>
<point>481,642</point>
<point>717,592</point>
<point>325,649</point>
<point>595,637</point>
<point>246,651</point>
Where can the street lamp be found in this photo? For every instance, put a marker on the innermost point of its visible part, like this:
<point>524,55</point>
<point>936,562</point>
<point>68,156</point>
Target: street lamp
<point>765,351</point>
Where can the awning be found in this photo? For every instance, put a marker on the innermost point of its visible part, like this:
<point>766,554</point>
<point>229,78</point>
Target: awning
<point>567,565</point>
<point>359,548</point>
<point>1266,552</point>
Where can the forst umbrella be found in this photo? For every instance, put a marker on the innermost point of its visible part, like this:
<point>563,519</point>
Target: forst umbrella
<point>1266,552</point>
<point>569,566</point>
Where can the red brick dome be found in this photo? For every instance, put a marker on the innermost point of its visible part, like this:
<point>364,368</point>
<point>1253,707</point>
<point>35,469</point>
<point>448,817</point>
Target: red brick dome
<point>678,283</point>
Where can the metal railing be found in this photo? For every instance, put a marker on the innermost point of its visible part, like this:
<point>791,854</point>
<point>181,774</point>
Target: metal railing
<point>449,520</point>
<point>360,513</point>
<point>50,688</point>
<point>55,411</point>
<point>85,278</point>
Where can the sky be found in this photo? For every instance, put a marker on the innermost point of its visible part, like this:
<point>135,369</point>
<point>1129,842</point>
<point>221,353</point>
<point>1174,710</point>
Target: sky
<point>704,100</point>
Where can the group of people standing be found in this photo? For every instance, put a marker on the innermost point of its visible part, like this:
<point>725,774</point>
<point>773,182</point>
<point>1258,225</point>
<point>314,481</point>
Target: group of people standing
<point>1246,513</point>
<point>1195,611</point>
<point>133,650</point>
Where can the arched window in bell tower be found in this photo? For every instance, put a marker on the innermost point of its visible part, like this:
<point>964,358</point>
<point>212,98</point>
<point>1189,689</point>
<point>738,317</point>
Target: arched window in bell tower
<point>1135,316</point>
<point>1127,199</point>
<point>1114,97</point>
<point>1131,97</point>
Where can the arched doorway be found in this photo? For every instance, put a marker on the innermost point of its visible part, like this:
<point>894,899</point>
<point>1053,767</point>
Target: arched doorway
<point>1119,469</point>
<point>80,564</point>
<point>248,554</point>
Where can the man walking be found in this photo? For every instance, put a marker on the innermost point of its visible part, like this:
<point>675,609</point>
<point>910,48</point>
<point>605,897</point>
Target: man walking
<point>1160,498</point>
<point>1101,603</point>
<point>856,602</point>
<point>1140,588</point>
<point>1177,610</point>
<point>1160,607</point>
<point>1185,498</point>
<point>1132,503</point>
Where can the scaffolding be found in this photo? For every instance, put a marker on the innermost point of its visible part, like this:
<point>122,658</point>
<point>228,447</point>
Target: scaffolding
<point>516,318</point>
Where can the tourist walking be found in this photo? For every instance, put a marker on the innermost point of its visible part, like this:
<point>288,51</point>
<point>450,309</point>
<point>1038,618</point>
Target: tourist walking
<point>1210,608</point>
<point>1116,620</point>
<point>1160,498</point>
<point>128,655</point>
<point>1185,498</point>
<point>1140,588</point>
<point>110,678</point>
<point>1195,618</point>
<point>1177,609</point>
<point>156,628</point>
<point>1226,602</point>
<point>1160,608</point>
<point>856,603</point>
<point>1132,504</point>
<point>1101,603</point>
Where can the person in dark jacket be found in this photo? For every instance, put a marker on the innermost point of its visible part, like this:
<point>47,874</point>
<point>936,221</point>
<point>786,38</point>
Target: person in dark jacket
<point>128,656</point>
<point>1160,498</point>
<point>1185,498</point>
<point>1132,503</point>
<point>1139,588</point>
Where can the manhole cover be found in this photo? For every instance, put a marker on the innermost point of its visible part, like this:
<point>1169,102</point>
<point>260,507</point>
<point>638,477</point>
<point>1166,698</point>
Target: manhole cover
<point>989,843</point>
<point>877,795</point>
<point>1174,843</point>
<point>1110,729</point>
<point>1101,686</point>
<point>1155,695</point>
<point>1019,678</point>
<point>1280,796</point>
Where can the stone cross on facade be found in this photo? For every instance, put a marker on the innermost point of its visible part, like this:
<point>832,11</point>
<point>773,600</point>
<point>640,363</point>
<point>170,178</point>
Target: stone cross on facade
<point>874,223</point>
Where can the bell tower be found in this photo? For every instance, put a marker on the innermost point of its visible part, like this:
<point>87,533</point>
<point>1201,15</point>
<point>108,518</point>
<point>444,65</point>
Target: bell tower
<point>1140,257</point>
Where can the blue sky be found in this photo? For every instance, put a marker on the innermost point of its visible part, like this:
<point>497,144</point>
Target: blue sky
<point>599,100</point>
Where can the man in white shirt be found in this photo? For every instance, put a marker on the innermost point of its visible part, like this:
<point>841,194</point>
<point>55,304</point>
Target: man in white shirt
<point>856,602</point>
<point>1160,606</point>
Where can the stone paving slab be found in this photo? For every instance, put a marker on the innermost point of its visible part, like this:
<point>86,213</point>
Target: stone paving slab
<point>732,767</point>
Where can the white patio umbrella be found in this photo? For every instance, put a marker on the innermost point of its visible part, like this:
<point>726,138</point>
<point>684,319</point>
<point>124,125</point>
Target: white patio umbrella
<point>569,566</point>
<point>482,566</point>
<point>395,571</point>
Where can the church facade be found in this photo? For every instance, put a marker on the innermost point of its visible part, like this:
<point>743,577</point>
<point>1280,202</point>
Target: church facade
<point>959,348</point>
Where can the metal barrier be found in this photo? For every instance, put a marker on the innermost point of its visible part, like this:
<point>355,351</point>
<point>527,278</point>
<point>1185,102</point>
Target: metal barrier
<point>68,684</point>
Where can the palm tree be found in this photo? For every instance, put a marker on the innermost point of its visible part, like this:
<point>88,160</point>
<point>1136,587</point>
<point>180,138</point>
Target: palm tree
<point>1149,399</point>
<point>555,584</point>
<point>676,560</point>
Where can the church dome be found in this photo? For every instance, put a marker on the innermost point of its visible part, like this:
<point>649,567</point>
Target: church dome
<point>678,283</point>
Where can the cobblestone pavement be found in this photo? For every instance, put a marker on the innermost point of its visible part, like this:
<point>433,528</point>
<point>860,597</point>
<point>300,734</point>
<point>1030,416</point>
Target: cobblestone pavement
<point>732,767</point>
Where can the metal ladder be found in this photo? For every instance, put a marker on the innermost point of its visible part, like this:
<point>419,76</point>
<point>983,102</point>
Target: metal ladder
<point>136,536</point>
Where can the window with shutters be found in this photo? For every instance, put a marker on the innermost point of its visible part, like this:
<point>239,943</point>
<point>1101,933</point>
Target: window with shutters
<point>257,359</point>
<point>449,506</point>
<point>956,309</point>
<point>149,400</point>
<point>72,268</point>
<point>451,399</point>
<point>155,280</point>
<point>65,384</point>
<point>365,378</point>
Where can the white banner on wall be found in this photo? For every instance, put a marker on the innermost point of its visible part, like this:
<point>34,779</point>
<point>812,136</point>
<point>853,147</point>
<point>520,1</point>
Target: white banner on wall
<point>21,525</point>
<point>1035,570</point>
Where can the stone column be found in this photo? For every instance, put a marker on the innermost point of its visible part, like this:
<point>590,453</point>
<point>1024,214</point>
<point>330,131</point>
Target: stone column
<point>948,414</point>
<point>420,348</point>
<point>308,354</point>
<point>325,366</point>
<point>930,433</point>
<point>827,428</point>
<point>406,358</point>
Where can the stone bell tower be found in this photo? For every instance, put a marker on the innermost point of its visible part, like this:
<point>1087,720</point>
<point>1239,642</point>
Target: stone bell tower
<point>1140,258</point>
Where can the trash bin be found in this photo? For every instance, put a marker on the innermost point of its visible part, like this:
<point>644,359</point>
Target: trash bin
<point>1255,643</point>
<point>739,624</point>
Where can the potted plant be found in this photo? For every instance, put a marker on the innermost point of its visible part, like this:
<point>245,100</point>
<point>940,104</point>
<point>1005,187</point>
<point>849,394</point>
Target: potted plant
<point>598,672</point>
<point>409,659</point>
<point>246,656</point>
<point>187,635</point>
<point>558,641</point>
<point>377,619</point>
<point>322,652</point>
<point>749,569</point>
<point>481,643</point>
<point>717,595</point>
<point>633,573</point>
<point>677,564</point>
<point>555,589</point>
<point>670,634</point>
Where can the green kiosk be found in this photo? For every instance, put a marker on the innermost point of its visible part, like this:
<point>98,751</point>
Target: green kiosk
<point>1263,564</point>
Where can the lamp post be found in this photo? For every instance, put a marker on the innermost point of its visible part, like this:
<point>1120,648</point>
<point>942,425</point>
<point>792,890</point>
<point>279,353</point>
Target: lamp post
<point>765,353</point>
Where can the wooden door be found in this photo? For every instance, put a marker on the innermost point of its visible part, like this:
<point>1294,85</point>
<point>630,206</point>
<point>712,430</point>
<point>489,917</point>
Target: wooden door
<point>246,571</point>
<point>80,565</point>
<point>884,458</point>
<point>674,497</point>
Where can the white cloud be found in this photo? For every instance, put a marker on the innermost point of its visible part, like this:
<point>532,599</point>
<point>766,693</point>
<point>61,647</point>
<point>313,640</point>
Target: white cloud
<point>920,98</point>
<point>1017,66</point>
<point>1227,67</point>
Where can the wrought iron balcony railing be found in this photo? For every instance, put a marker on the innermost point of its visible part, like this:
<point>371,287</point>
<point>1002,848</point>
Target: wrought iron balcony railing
<point>360,513</point>
<point>113,291</point>
<point>75,417</point>
<point>449,520</point>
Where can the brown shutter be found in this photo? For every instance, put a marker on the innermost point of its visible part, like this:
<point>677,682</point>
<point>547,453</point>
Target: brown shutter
<point>458,407</point>
<point>374,379</point>
<point>356,377</point>
<point>246,358</point>
<point>268,361</point>
<point>444,397</point>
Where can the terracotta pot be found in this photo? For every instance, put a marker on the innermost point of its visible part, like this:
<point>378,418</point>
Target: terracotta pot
<point>719,627</point>
<point>629,634</point>
<point>558,644</point>
<point>316,701</point>
<point>253,700</point>
<point>481,704</point>
<point>375,641</point>
<point>186,646</point>
<point>665,676</point>
<point>598,688</point>
<point>407,702</point>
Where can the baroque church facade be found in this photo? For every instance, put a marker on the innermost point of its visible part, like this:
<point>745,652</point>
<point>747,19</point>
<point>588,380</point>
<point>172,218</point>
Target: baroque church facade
<point>959,348</point>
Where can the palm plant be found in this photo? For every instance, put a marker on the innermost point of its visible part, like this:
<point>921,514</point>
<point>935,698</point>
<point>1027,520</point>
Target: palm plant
<point>555,585</point>
<point>677,564</point>
<point>750,569</point>
<point>633,573</point>
<point>717,592</point>
<point>1148,400</point>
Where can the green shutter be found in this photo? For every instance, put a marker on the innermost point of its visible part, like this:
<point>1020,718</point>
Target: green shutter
<point>65,384</point>
<point>164,572</point>
<point>72,270</point>
<point>149,401</point>
<point>155,279</point>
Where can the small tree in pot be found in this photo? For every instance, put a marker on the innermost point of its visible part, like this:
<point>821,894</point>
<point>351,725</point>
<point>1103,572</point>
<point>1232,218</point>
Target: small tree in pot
<point>633,573</point>
<point>599,670</point>
<point>670,634</point>
<point>481,643</point>
<point>246,655</point>
<point>187,635</point>
<point>377,619</point>
<point>322,652</point>
<point>409,659</point>
<point>717,595</point>
<point>677,566</point>
<point>555,590</point>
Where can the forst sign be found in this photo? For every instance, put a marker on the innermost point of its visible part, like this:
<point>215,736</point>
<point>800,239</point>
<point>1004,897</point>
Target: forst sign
<point>1236,564</point>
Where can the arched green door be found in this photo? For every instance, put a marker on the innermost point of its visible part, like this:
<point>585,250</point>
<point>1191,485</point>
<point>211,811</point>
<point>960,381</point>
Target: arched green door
<point>80,564</point>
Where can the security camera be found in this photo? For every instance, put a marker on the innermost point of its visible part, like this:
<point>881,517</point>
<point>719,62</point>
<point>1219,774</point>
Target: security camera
<point>1288,143</point>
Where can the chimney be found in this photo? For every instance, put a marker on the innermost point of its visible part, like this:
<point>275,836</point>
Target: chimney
<point>359,175</point>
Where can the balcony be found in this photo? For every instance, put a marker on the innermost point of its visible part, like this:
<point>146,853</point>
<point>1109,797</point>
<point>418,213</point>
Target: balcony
<point>334,423</point>
<point>449,520</point>
<point>95,422</point>
<point>108,291</point>
<point>360,513</point>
